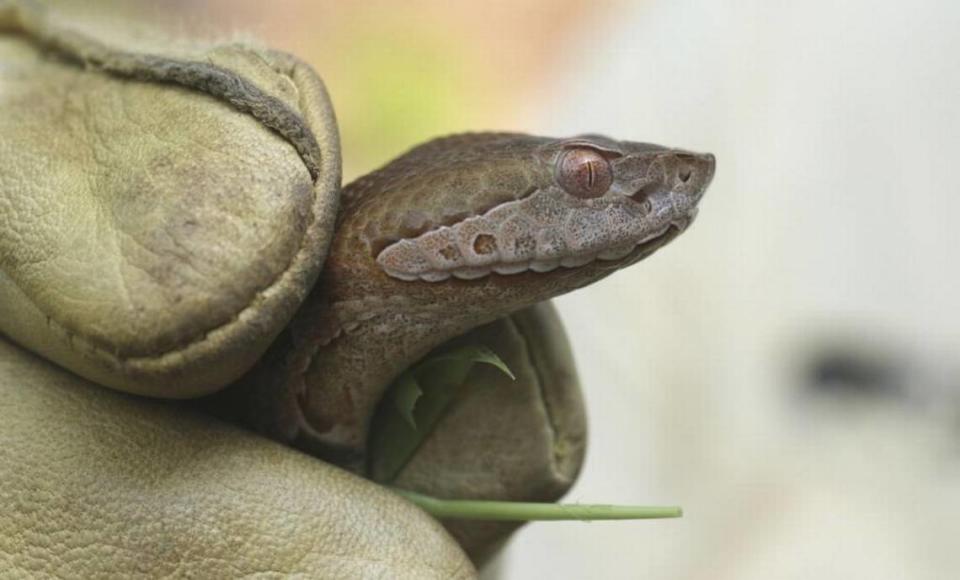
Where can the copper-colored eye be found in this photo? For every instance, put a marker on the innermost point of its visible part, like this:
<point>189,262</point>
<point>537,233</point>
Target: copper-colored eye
<point>584,172</point>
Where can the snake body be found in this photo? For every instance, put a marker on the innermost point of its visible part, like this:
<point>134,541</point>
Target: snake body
<point>456,233</point>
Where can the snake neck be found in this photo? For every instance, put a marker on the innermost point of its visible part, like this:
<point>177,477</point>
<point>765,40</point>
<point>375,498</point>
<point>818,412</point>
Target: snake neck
<point>364,330</point>
<point>348,352</point>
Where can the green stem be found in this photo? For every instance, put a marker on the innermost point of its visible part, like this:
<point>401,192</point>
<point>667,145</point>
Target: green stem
<point>525,511</point>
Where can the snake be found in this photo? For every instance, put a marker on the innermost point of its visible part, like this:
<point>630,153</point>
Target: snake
<point>459,232</point>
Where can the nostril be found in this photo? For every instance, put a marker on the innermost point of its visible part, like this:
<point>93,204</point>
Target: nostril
<point>684,174</point>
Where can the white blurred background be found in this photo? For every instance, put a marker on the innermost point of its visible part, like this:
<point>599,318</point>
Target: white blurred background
<point>788,370</point>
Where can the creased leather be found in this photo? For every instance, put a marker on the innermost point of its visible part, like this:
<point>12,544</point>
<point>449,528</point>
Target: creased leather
<point>97,484</point>
<point>164,210</point>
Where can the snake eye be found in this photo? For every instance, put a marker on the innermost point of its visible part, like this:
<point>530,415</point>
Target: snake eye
<point>584,173</point>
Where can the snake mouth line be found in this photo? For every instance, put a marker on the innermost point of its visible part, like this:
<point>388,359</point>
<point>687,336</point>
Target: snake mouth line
<point>648,247</point>
<point>616,253</point>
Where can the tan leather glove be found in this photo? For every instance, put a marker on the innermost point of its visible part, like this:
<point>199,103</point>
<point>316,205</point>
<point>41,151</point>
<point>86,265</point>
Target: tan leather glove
<point>161,218</point>
<point>95,483</point>
<point>154,237</point>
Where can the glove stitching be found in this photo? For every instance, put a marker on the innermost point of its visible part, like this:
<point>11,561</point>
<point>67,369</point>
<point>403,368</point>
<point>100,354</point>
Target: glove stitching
<point>240,93</point>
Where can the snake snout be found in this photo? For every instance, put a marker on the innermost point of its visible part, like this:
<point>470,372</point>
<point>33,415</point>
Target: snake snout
<point>674,174</point>
<point>691,173</point>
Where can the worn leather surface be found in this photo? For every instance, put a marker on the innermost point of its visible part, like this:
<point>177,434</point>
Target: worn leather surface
<point>156,232</point>
<point>95,483</point>
<point>154,237</point>
<point>509,440</point>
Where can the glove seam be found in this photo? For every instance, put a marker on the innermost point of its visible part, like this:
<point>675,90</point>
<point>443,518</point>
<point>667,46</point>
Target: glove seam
<point>229,88</point>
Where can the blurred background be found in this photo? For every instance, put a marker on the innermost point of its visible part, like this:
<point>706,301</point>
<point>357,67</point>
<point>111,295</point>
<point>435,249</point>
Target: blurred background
<point>788,370</point>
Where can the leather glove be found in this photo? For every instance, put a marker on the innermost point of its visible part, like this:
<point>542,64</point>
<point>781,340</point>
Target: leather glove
<point>160,221</point>
<point>155,239</point>
<point>95,483</point>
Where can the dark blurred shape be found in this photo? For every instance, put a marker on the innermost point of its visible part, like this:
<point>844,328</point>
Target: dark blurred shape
<point>854,372</point>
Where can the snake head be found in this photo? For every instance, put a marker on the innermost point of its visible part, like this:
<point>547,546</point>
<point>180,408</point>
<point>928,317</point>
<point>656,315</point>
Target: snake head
<point>545,204</point>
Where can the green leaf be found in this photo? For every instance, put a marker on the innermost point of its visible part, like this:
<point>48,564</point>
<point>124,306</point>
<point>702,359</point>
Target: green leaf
<point>473,354</point>
<point>421,397</point>
<point>405,394</point>
<point>513,511</point>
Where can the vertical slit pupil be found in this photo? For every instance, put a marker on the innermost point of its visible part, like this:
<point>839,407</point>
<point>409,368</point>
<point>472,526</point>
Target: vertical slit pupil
<point>584,173</point>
